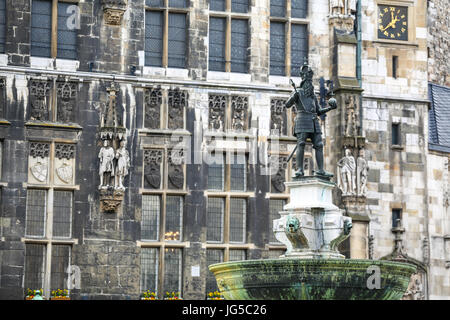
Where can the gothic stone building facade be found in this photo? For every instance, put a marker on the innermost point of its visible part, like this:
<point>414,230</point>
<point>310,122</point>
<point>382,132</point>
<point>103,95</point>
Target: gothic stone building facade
<point>147,92</point>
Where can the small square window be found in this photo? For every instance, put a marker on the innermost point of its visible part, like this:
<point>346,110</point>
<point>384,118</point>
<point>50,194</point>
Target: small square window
<point>396,218</point>
<point>396,137</point>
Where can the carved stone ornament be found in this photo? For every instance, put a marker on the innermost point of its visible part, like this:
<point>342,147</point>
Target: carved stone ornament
<point>177,104</point>
<point>65,151</point>
<point>113,11</point>
<point>415,289</point>
<point>65,172</point>
<point>351,116</point>
<point>347,173</point>
<point>217,105</point>
<point>39,149</point>
<point>40,171</point>
<point>39,99</point>
<point>110,200</point>
<point>67,95</point>
<point>152,104</point>
<point>152,168</point>
<point>239,111</point>
<point>278,116</point>
<point>175,169</point>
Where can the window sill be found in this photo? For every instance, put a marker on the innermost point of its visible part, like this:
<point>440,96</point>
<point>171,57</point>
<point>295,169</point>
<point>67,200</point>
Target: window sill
<point>177,73</point>
<point>60,64</point>
<point>3,60</point>
<point>181,132</point>
<point>229,76</point>
<point>54,125</point>
<point>283,80</point>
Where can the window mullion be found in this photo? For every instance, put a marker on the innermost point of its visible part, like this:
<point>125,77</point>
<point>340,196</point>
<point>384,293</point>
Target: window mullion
<point>165,55</point>
<point>54,42</point>
<point>288,48</point>
<point>228,45</point>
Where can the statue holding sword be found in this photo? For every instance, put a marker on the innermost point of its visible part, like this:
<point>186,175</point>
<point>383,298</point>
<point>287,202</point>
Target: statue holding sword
<point>306,122</point>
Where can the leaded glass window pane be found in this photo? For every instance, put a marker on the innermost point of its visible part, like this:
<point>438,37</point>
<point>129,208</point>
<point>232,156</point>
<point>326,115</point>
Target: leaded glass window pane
<point>2,25</point>
<point>174,218</point>
<point>212,256</point>
<point>239,45</point>
<point>215,219</point>
<point>177,40</point>
<point>149,269</point>
<point>41,25</point>
<point>299,8</point>
<point>217,5</point>
<point>238,172</point>
<point>154,3</point>
<point>240,6</point>
<point>62,214</point>
<point>299,47</point>
<point>275,206</point>
<point>153,38</point>
<point>237,255</point>
<point>151,209</point>
<point>277,8</point>
<point>238,213</point>
<point>172,272</point>
<point>36,212</point>
<point>217,44</point>
<point>67,36</point>
<point>34,266</point>
<point>216,173</point>
<point>178,3</point>
<point>277,48</point>
<point>60,263</point>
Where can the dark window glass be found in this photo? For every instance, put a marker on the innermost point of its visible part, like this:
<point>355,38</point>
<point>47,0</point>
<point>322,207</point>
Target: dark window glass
<point>217,5</point>
<point>396,218</point>
<point>153,38</point>
<point>178,3</point>
<point>174,218</point>
<point>60,263</point>
<point>41,25</point>
<point>394,66</point>
<point>216,173</point>
<point>396,134</point>
<point>67,34</point>
<point>214,219</point>
<point>237,255</point>
<point>299,8</point>
<point>150,217</point>
<point>240,6</point>
<point>172,272</point>
<point>238,172</point>
<point>277,8</point>
<point>239,45</point>
<point>34,266</point>
<point>2,25</point>
<point>149,269</point>
<point>154,3</point>
<point>177,40</point>
<point>299,47</point>
<point>217,44</point>
<point>62,214</point>
<point>212,256</point>
<point>238,220</point>
<point>277,48</point>
<point>36,212</point>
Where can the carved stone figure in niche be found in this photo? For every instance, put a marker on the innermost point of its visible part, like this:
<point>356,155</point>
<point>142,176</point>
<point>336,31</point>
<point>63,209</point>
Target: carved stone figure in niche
<point>106,170</point>
<point>176,174</point>
<point>177,104</point>
<point>110,112</point>
<point>217,106</point>
<point>67,93</point>
<point>351,114</point>
<point>153,101</point>
<point>123,164</point>
<point>337,7</point>
<point>346,176</point>
<point>239,106</point>
<point>279,178</point>
<point>152,169</point>
<point>39,99</point>
<point>415,289</point>
<point>362,172</point>
<point>278,116</point>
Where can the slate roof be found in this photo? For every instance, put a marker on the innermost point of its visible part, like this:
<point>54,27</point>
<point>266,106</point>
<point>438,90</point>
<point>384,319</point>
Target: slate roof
<point>439,118</point>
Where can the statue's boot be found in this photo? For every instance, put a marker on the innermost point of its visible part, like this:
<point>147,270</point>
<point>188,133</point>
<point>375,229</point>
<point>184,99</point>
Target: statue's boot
<point>319,161</point>
<point>299,161</point>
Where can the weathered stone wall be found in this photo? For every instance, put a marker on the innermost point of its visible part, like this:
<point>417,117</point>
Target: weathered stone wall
<point>438,42</point>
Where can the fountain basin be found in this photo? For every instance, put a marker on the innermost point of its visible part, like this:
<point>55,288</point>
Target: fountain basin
<point>312,279</point>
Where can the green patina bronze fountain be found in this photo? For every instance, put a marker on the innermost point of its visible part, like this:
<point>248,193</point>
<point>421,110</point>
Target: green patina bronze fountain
<point>312,227</point>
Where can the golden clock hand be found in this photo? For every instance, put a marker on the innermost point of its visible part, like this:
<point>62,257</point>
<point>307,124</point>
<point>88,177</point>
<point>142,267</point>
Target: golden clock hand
<point>389,25</point>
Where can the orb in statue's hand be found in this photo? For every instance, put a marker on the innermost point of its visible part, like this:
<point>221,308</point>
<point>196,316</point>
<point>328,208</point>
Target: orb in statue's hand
<point>332,103</point>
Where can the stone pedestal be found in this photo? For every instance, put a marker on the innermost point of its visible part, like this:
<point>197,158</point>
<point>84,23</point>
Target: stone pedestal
<point>311,226</point>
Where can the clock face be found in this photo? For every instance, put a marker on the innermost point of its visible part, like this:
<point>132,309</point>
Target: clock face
<point>392,22</point>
